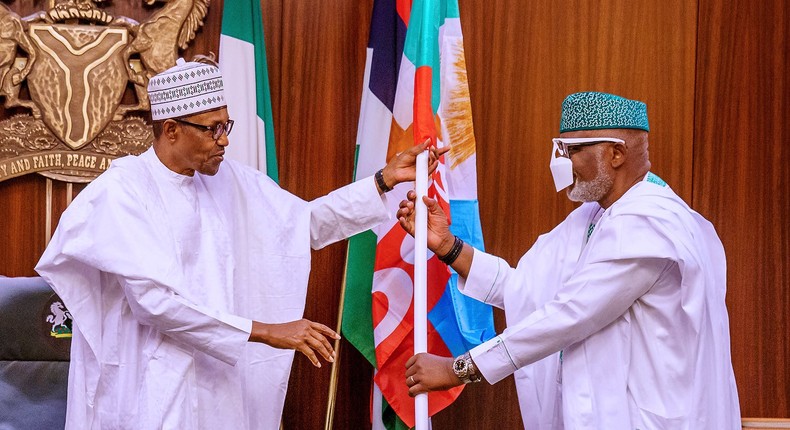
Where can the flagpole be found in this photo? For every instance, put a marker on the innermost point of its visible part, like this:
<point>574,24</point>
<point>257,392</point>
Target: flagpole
<point>421,282</point>
<point>329,422</point>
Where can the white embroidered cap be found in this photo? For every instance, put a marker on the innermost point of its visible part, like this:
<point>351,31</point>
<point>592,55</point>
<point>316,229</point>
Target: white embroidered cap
<point>185,89</point>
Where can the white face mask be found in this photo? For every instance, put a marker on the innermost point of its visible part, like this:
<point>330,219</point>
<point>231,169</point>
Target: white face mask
<point>561,169</point>
<point>561,166</point>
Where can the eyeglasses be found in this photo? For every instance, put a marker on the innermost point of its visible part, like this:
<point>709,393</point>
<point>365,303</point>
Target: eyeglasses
<point>565,144</point>
<point>216,130</point>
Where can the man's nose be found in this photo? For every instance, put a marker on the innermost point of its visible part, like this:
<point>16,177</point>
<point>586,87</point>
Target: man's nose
<point>223,140</point>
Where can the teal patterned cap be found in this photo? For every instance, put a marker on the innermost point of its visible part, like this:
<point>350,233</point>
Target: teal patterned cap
<point>596,111</point>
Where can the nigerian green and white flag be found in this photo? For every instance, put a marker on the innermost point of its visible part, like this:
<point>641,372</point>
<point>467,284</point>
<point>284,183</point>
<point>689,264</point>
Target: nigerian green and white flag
<point>242,59</point>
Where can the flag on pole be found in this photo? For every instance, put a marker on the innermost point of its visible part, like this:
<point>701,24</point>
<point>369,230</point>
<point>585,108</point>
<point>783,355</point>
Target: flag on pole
<point>242,60</point>
<point>415,86</point>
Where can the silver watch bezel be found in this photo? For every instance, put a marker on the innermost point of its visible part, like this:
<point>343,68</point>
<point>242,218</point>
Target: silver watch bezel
<point>464,369</point>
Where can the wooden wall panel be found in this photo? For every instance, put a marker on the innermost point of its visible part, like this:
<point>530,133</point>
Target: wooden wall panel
<point>22,227</point>
<point>317,58</point>
<point>741,156</point>
<point>23,220</point>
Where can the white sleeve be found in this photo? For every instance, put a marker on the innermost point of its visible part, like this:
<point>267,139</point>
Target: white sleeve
<point>345,212</point>
<point>220,335</point>
<point>487,279</point>
<point>83,267</point>
<point>593,298</point>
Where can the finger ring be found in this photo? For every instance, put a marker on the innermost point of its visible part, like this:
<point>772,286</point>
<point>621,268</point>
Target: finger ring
<point>411,378</point>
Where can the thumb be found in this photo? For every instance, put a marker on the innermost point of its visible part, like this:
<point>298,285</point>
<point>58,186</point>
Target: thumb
<point>432,205</point>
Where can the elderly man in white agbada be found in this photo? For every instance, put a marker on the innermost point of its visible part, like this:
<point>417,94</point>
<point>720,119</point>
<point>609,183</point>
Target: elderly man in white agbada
<point>616,318</point>
<point>186,274</point>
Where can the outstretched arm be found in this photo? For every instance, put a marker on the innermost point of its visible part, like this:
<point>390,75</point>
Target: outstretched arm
<point>359,206</point>
<point>597,295</point>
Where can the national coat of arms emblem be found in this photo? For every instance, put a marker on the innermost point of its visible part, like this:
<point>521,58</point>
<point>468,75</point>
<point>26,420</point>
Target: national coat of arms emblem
<point>61,320</point>
<point>65,72</point>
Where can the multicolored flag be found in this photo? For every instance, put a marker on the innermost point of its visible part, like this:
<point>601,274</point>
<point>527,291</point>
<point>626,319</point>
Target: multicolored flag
<point>243,63</point>
<point>415,88</point>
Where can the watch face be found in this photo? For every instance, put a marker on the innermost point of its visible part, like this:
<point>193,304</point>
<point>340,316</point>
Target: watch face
<point>459,366</point>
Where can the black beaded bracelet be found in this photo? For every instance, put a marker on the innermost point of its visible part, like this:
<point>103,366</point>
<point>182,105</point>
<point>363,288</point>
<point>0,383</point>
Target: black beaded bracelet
<point>454,252</point>
<point>380,181</point>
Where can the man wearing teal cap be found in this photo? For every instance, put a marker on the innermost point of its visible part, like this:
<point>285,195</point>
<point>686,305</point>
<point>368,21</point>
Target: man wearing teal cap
<point>616,318</point>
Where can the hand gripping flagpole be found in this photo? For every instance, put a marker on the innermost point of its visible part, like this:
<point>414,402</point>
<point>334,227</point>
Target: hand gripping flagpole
<point>421,281</point>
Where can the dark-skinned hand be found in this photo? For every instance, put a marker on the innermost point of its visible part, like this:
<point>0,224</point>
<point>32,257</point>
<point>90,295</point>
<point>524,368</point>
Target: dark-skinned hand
<point>440,240</point>
<point>401,167</point>
<point>303,335</point>
<point>428,372</point>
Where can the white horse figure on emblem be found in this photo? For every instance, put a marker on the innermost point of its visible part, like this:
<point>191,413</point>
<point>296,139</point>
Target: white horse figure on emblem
<point>59,315</point>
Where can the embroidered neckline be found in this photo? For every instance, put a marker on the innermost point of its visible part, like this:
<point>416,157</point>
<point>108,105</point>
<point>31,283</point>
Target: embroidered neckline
<point>593,222</point>
<point>653,178</point>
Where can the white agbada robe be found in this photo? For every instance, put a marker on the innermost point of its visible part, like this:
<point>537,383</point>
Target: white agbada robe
<point>164,273</point>
<point>637,310</point>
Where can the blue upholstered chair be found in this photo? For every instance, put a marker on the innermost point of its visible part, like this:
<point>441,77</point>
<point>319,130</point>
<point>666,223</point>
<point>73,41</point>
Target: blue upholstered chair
<point>35,339</point>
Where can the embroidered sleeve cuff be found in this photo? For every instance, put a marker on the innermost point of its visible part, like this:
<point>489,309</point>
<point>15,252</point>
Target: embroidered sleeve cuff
<point>493,360</point>
<point>481,284</point>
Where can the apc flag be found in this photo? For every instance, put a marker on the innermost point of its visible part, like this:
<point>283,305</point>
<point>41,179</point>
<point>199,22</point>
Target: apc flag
<point>243,63</point>
<point>415,87</point>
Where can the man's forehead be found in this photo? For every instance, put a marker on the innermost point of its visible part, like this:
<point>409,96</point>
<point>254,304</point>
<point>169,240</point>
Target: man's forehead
<point>216,115</point>
<point>610,132</point>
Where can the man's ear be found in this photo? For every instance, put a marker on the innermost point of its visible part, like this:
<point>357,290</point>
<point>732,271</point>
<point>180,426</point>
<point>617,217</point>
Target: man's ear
<point>169,130</point>
<point>619,153</point>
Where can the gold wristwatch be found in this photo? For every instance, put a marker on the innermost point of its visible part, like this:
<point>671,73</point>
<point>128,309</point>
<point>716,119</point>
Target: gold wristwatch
<point>464,369</point>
